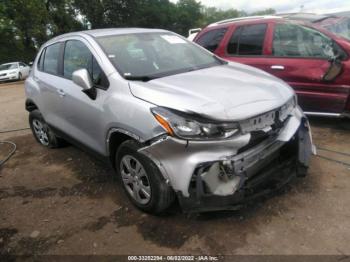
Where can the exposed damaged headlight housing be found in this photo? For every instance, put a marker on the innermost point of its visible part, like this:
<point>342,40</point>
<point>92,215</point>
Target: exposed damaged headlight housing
<point>287,108</point>
<point>183,126</point>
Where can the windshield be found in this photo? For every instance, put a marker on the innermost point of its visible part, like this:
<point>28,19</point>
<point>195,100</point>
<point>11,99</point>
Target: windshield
<point>342,27</point>
<point>152,55</point>
<point>8,66</point>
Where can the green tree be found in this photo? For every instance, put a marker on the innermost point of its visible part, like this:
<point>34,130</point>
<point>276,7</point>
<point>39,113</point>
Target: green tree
<point>269,11</point>
<point>27,24</point>
<point>94,12</point>
<point>212,14</point>
<point>24,26</point>
<point>62,17</point>
<point>177,17</point>
<point>188,15</point>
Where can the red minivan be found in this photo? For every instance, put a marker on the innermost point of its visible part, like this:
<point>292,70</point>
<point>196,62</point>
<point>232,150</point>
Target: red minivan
<point>315,62</point>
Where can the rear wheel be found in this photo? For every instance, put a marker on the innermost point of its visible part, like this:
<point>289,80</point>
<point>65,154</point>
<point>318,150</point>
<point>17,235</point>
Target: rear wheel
<point>142,180</point>
<point>42,132</point>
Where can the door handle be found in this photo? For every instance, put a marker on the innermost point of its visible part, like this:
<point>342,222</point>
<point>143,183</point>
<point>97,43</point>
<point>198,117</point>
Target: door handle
<point>61,92</point>
<point>277,67</point>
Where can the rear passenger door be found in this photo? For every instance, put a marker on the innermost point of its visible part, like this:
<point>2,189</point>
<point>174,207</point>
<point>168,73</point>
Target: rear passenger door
<point>247,45</point>
<point>48,79</point>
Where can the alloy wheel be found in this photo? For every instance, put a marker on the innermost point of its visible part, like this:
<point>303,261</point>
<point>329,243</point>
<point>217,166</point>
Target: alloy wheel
<point>41,132</point>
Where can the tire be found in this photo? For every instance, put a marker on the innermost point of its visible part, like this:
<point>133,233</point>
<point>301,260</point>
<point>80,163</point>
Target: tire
<point>19,76</point>
<point>42,132</point>
<point>345,123</point>
<point>161,195</point>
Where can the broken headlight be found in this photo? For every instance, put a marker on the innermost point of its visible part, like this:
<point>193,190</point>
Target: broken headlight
<point>184,126</point>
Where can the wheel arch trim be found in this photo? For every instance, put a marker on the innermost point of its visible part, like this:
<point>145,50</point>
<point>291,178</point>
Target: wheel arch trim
<point>30,105</point>
<point>139,139</point>
<point>114,130</point>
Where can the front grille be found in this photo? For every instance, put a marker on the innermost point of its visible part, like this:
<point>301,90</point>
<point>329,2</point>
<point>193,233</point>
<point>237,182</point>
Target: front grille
<point>285,156</point>
<point>269,119</point>
<point>258,122</point>
<point>256,137</point>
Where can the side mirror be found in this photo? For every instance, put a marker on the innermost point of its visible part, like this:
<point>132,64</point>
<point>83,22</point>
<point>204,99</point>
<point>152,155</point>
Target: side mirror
<point>82,78</point>
<point>333,71</point>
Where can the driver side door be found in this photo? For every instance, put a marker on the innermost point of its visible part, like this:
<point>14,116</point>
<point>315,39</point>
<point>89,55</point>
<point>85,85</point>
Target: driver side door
<point>84,118</point>
<point>301,57</point>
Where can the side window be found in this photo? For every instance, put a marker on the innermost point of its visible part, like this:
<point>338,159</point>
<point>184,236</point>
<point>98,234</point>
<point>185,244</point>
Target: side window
<point>98,77</point>
<point>22,65</point>
<point>78,56</point>
<point>41,60</point>
<point>51,59</point>
<point>247,40</point>
<point>291,40</point>
<point>232,47</point>
<point>211,40</point>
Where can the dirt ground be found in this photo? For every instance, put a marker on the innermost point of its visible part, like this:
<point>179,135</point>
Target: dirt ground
<point>65,202</point>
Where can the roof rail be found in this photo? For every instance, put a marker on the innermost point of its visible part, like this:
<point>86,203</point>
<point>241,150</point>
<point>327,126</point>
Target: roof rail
<point>243,18</point>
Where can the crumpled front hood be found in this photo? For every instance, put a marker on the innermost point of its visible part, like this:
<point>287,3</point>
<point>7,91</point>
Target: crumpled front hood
<point>227,92</point>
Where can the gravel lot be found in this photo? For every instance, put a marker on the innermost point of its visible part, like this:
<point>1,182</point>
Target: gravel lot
<point>65,202</point>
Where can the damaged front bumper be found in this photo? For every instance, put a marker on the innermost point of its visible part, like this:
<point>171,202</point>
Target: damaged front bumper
<point>216,175</point>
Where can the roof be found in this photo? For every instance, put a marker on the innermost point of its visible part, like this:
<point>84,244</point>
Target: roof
<point>120,31</point>
<point>107,32</point>
<point>246,18</point>
<point>344,14</point>
<point>308,17</point>
<point>112,31</point>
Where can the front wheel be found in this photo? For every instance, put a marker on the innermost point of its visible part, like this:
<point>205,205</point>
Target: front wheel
<point>19,76</point>
<point>142,180</point>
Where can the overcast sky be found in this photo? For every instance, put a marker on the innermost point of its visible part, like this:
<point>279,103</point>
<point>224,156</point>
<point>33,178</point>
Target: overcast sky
<point>317,6</point>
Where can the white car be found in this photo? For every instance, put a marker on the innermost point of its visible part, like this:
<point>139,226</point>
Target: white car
<point>14,71</point>
<point>192,33</point>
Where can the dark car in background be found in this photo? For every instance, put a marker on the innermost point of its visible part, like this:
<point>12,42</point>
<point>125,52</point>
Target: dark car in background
<point>314,61</point>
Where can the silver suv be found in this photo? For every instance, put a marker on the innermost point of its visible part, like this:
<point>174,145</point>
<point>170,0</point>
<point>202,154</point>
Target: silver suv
<point>175,121</point>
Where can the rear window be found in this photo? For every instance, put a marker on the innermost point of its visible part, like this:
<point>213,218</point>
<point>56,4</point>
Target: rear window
<point>247,40</point>
<point>51,59</point>
<point>211,39</point>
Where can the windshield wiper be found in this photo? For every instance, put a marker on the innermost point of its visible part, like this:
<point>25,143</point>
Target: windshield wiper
<point>139,78</point>
<point>221,61</point>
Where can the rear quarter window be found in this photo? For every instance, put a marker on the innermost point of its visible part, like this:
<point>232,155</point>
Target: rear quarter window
<point>211,39</point>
